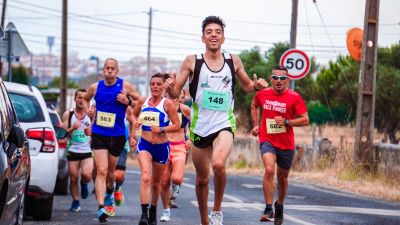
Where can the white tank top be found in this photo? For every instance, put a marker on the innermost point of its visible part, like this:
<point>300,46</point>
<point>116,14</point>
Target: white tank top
<point>78,141</point>
<point>212,96</point>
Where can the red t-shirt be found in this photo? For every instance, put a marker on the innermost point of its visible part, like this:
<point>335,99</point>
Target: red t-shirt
<point>288,105</point>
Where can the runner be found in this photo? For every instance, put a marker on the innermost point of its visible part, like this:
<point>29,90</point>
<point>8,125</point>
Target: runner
<point>112,96</point>
<point>282,109</point>
<point>153,147</point>
<point>176,166</point>
<point>79,153</point>
<point>212,78</point>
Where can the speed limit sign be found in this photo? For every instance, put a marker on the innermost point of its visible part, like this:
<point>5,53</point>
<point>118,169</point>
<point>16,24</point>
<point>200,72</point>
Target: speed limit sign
<point>297,63</point>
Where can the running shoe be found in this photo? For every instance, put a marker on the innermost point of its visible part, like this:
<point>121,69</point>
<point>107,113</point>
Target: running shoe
<point>109,199</point>
<point>267,216</point>
<point>102,215</point>
<point>144,220</point>
<point>175,190</point>
<point>110,210</point>
<point>278,214</point>
<point>172,203</point>
<point>118,197</point>
<point>84,190</point>
<point>75,206</point>
<point>216,218</point>
<point>166,215</point>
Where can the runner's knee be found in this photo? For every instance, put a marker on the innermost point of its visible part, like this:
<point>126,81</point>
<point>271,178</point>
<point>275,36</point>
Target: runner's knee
<point>269,172</point>
<point>177,179</point>
<point>202,181</point>
<point>218,168</point>
<point>145,177</point>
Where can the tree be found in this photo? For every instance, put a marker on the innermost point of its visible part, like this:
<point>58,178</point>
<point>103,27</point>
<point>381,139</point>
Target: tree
<point>20,75</point>
<point>57,81</point>
<point>387,106</point>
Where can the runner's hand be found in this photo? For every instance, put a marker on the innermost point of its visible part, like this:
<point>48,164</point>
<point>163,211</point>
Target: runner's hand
<point>91,111</point>
<point>280,120</point>
<point>122,98</point>
<point>88,131</point>
<point>170,82</point>
<point>256,131</point>
<point>132,143</point>
<point>259,83</point>
<point>137,124</point>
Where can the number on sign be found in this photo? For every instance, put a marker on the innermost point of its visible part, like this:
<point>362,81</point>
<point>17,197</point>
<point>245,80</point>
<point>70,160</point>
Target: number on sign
<point>299,63</point>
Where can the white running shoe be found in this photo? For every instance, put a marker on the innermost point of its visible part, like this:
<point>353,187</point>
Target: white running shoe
<point>216,218</point>
<point>165,217</point>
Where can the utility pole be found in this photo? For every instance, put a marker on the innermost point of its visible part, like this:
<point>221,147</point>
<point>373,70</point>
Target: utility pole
<point>293,31</point>
<point>363,151</point>
<point>3,17</point>
<point>64,57</point>
<point>148,50</point>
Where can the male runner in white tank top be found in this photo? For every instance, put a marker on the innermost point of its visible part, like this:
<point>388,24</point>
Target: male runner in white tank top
<point>79,153</point>
<point>212,77</point>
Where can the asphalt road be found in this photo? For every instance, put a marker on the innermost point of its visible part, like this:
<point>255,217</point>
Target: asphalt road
<point>243,204</point>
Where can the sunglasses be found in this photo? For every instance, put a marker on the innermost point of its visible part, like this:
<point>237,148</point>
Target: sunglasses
<point>276,77</point>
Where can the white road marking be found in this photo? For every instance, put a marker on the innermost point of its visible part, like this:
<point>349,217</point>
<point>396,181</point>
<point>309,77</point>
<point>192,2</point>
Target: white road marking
<point>230,197</point>
<point>252,186</point>
<point>259,207</point>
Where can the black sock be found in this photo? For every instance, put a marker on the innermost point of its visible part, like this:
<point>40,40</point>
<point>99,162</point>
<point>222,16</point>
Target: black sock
<point>110,191</point>
<point>101,206</point>
<point>153,208</point>
<point>278,206</point>
<point>268,207</point>
<point>117,185</point>
<point>144,208</point>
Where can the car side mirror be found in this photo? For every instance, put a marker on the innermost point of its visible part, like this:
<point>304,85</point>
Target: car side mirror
<point>16,136</point>
<point>61,133</point>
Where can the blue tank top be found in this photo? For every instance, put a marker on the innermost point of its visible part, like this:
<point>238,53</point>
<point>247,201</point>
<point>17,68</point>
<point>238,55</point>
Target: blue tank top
<point>158,114</point>
<point>110,114</point>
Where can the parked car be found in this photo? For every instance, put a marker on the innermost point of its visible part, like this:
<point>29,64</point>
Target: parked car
<point>35,120</point>
<point>62,175</point>
<point>15,163</point>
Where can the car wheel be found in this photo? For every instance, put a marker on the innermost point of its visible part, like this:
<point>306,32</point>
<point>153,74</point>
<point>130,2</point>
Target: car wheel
<point>42,208</point>
<point>62,186</point>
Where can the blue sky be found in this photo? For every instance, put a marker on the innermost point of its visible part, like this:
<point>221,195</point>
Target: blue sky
<point>118,28</point>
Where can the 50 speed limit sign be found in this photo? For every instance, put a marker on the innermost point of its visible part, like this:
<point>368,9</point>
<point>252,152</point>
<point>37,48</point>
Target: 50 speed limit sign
<point>297,63</point>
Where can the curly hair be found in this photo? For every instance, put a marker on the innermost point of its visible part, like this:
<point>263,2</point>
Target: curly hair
<point>212,19</point>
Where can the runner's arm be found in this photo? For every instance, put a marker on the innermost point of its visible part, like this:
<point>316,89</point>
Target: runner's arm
<point>174,85</point>
<point>171,110</point>
<point>247,84</point>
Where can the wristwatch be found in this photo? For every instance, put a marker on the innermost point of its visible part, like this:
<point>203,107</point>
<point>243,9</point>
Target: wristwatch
<point>287,122</point>
<point>162,130</point>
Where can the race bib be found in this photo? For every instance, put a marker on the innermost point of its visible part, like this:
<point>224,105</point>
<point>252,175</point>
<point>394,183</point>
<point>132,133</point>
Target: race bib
<point>105,119</point>
<point>79,136</point>
<point>215,100</point>
<point>150,118</point>
<point>273,128</point>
